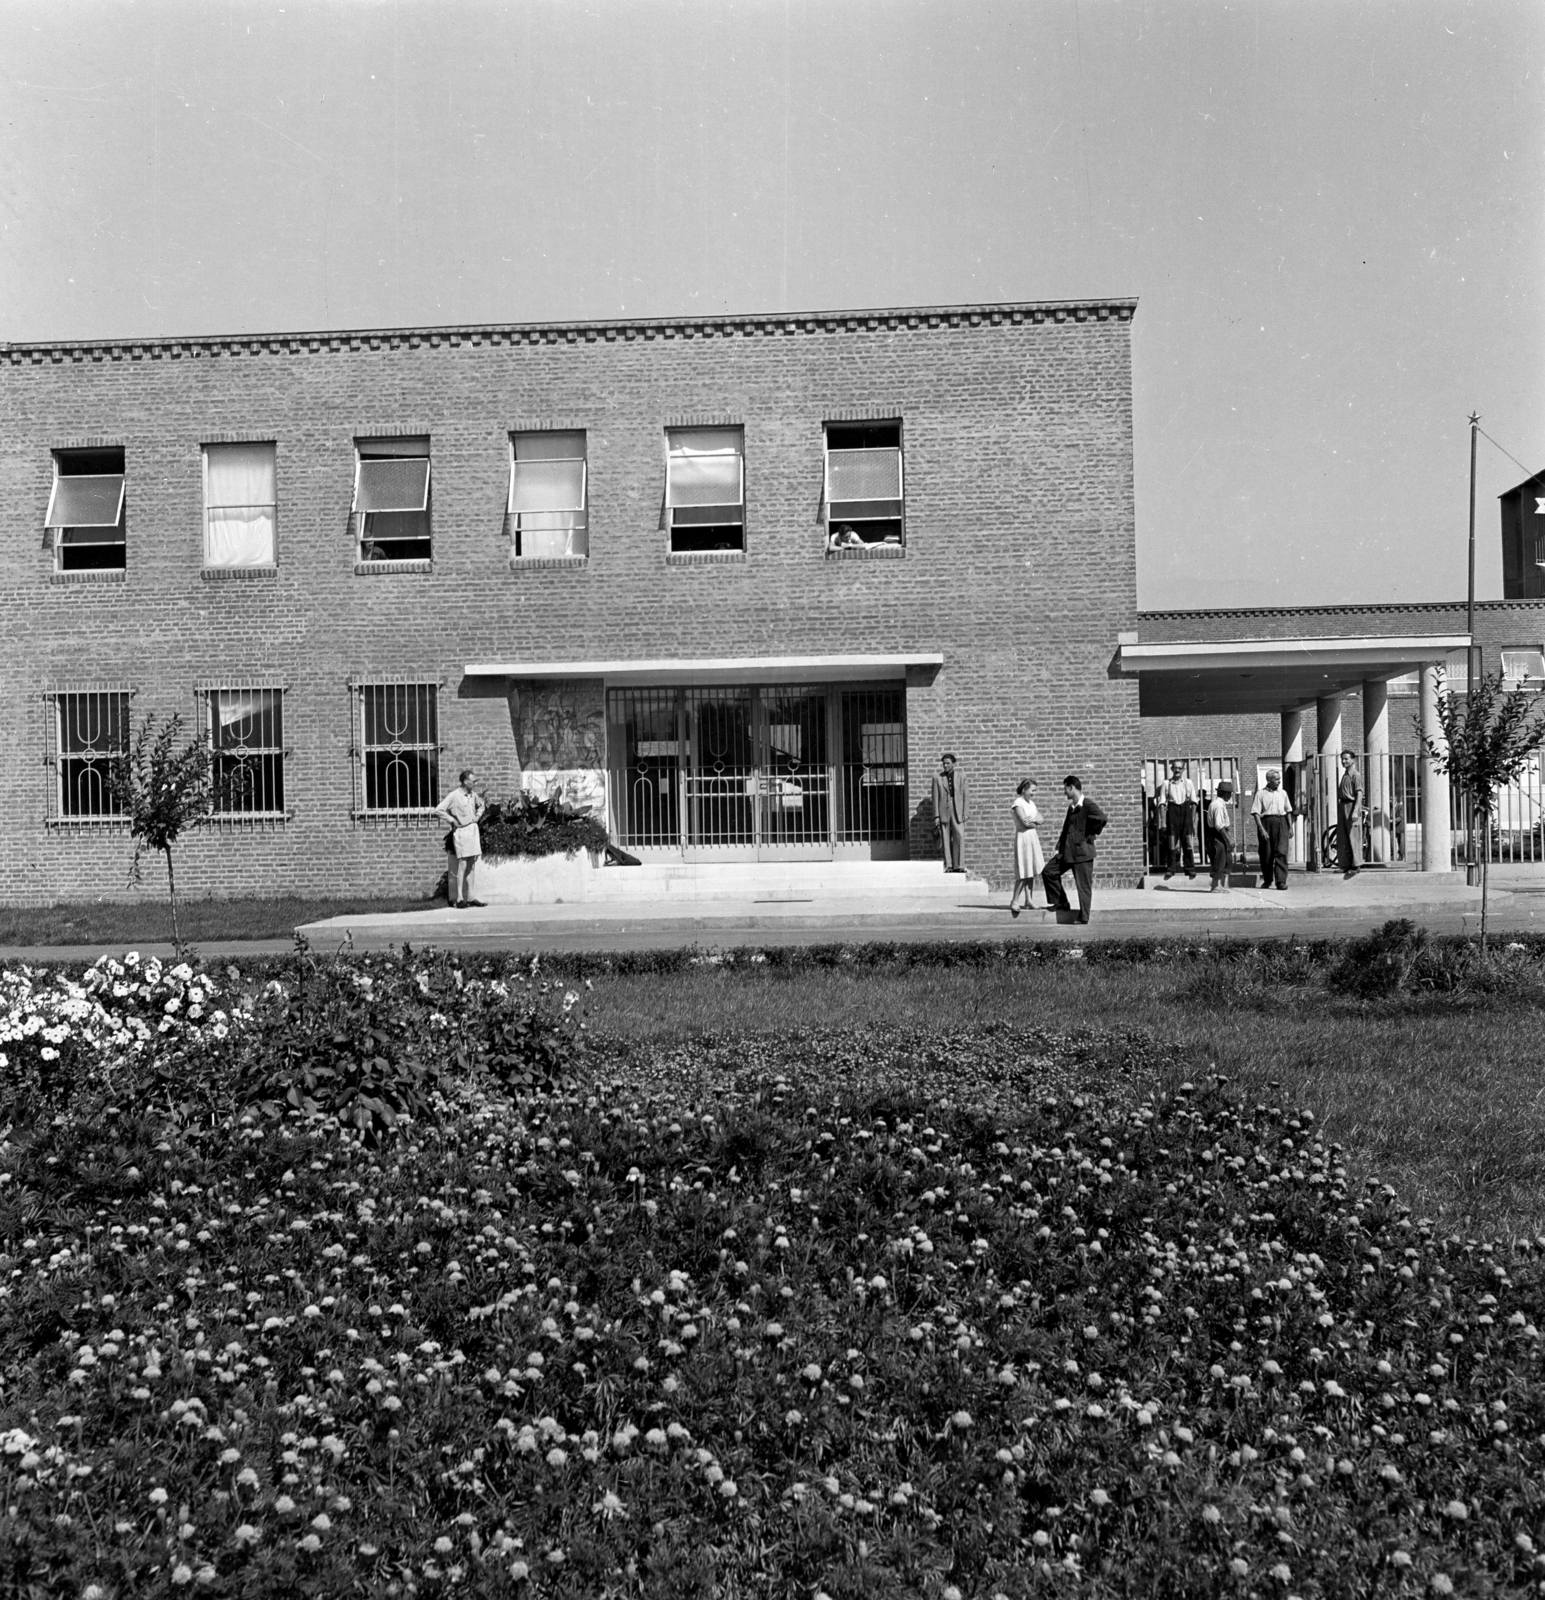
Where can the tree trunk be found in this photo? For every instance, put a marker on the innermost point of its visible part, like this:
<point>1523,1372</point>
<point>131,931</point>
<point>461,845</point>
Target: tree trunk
<point>1485,863</point>
<point>171,889</point>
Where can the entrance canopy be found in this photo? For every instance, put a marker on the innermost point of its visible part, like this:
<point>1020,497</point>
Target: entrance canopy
<point>729,669</point>
<point>1232,676</point>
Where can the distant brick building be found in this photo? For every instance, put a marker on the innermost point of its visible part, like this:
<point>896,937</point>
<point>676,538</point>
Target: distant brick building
<point>740,580</point>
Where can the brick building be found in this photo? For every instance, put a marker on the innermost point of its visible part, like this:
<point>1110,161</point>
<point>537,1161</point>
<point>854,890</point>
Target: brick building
<point>740,580</point>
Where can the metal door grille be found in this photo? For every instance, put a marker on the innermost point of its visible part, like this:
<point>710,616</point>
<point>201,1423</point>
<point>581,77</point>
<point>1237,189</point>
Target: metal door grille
<point>721,776</point>
<point>793,781</point>
<point>1205,773</point>
<point>874,766</point>
<point>646,731</point>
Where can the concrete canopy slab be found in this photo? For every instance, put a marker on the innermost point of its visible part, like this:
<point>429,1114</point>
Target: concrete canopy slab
<point>1231,676</point>
<point>728,669</point>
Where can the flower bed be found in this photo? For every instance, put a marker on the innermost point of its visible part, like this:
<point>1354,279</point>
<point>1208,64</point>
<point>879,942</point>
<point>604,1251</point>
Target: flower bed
<point>888,1316</point>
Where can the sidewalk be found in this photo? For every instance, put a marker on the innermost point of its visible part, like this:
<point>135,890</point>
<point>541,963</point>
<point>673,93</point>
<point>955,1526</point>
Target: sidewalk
<point>1315,905</point>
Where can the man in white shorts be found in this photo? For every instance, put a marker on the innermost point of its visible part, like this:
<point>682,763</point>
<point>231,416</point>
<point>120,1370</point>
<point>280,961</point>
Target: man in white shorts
<point>462,809</point>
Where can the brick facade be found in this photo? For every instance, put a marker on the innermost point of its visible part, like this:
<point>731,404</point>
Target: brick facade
<point>1019,563</point>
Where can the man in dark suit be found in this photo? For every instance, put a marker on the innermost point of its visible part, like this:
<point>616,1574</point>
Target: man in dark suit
<point>1084,823</point>
<point>949,812</point>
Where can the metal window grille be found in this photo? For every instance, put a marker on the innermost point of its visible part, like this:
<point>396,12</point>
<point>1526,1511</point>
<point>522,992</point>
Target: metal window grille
<point>398,772</point>
<point>245,729</point>
<point>88,729</point>
<point>874,765</point>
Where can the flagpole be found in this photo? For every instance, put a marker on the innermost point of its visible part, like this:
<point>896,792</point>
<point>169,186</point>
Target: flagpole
<point>1472,654</point>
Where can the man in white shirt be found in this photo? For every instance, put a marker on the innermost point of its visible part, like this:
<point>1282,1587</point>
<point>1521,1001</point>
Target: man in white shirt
<point>1179,797</point>
<point>462,808</point>
<point>1273,813</point>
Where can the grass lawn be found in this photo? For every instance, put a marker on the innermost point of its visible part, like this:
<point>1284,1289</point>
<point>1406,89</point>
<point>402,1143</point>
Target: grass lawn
<point>112,923</point>
<point>1447,1106</point>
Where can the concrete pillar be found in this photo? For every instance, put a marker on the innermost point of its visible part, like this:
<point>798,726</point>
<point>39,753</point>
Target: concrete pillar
<point>1294,739</point>
<point>1436,845</point>
<point>1327,710</point>
<point>1381,825</point>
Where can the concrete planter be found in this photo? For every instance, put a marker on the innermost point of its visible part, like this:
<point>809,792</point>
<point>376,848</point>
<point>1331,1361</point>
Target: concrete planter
<point>533,880</point>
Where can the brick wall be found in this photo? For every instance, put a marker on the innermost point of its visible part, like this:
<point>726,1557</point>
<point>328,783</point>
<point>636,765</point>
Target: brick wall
<point>1019,562</point>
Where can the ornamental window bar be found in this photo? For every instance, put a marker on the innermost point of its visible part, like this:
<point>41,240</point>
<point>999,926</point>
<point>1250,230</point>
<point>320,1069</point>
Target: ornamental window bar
<point>245,729</point>
<point>240,505</point>
<point>85,522</point>
<point>391,499</point>
<point>548,514</point>
<point>863,492</point>
<point>90,729</point>
<point>398,773</point>
<point>874,766</point>
<point>705,489</point>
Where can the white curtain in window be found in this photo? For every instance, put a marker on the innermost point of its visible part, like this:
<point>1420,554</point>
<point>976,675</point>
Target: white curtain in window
<point>705,467</point>
<point>240,497</point>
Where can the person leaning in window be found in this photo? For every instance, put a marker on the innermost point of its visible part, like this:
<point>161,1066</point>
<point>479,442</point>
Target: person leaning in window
<point>1349,795</point>
<point>1179,796</point>
<point>1220,823</point>
<point>1029,857</point>
<point>1084,822</point>
<point>949,812</point>
<point>1273,813</point>
<point>462,808</point>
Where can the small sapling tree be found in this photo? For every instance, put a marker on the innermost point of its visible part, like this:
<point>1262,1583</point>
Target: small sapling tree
<point>1491,733</point>
<point>162,784</point>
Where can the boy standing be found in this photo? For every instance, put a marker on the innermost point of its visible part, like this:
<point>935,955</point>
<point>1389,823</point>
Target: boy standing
<point>1220,819</point>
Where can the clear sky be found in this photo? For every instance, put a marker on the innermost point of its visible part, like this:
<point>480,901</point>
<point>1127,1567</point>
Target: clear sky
<point>1331,212</point>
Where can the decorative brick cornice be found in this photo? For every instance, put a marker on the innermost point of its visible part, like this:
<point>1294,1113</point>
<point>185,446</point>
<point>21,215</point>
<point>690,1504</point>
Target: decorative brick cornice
<point>768,325</point>
<point>1371,607</point>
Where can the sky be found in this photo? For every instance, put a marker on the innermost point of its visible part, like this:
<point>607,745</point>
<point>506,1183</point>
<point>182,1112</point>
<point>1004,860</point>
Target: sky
<point>1331,212</point>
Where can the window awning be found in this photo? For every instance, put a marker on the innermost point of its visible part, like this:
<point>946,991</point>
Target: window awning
<point>727,669</point>
<point>1214,677</point>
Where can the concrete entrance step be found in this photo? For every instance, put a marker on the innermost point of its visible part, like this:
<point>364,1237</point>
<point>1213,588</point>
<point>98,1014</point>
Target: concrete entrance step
<point>683,881</point>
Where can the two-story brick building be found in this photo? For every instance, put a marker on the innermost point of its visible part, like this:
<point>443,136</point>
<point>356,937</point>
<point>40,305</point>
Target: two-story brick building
<point>741,580</point>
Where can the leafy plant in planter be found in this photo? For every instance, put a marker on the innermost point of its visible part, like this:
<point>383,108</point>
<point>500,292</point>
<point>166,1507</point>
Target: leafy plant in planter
<point>531,825</point>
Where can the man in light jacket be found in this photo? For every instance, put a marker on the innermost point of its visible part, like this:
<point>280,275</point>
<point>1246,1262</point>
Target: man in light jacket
<point>949,812</point>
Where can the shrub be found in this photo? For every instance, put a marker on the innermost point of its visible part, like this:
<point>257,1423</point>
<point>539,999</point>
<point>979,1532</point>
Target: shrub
<point>534,825</point>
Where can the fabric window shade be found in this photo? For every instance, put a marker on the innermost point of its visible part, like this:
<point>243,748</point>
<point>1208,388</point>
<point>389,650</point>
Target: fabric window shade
<point>550,485</point>
<point>863,475</point>
<point>550,446</point>
<point>705,467</point>
<point>396,485</point>
<point>1521,665</point>
<point>239,495</point>
<point>247,717</point>
<point>86,502</point>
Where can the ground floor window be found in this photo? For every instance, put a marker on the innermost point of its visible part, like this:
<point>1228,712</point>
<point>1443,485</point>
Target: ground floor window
<point>245,728</point>
<point>398,731</point>
<point>769,771</point>
<point>90,729</point>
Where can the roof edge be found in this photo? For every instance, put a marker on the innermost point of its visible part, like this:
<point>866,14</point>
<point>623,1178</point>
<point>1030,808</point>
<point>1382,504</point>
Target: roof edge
<point>1119,308</point>
<point>1330,610</point>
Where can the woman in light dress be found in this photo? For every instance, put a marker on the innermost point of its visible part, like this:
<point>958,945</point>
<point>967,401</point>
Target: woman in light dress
<point>1029,858</point>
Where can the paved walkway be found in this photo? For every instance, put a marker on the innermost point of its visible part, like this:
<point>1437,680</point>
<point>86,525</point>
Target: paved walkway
<point>1314,905</point>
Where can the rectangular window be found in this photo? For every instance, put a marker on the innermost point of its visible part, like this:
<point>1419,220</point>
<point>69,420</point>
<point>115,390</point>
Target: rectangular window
<point>1408,683</point>
<point>1523,666</point>
<point>246,738</point>
<point>391,499</point>
<point>864,497</point>
<point>705,488</point>
<point>1456,671</point>
<point>240,505</point>
<point>399,747</point>
<point>85,510</point>
<point>548,514</point>
<point>91,730</point>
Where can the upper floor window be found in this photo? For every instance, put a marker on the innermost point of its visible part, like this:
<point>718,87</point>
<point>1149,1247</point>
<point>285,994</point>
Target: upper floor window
<point>239,505</point>
<point>91,729</point>
<point>705,488</point>
<point>1523,665</point>
<point>85,510</point>
<point>548,510</point>
<point>391,499</point>
<point>864,498</point>
<point>246,738</point>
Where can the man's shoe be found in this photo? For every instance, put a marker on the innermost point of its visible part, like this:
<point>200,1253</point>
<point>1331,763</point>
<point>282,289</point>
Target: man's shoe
<point>1168,876</point>
<point>460,905</point>
<point>474,902</point>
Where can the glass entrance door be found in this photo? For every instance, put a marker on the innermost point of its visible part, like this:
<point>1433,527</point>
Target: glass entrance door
<point>746,772</point>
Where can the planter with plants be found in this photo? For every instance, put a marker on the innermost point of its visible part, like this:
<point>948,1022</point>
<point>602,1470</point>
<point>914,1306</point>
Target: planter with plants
<point>537,851</point>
